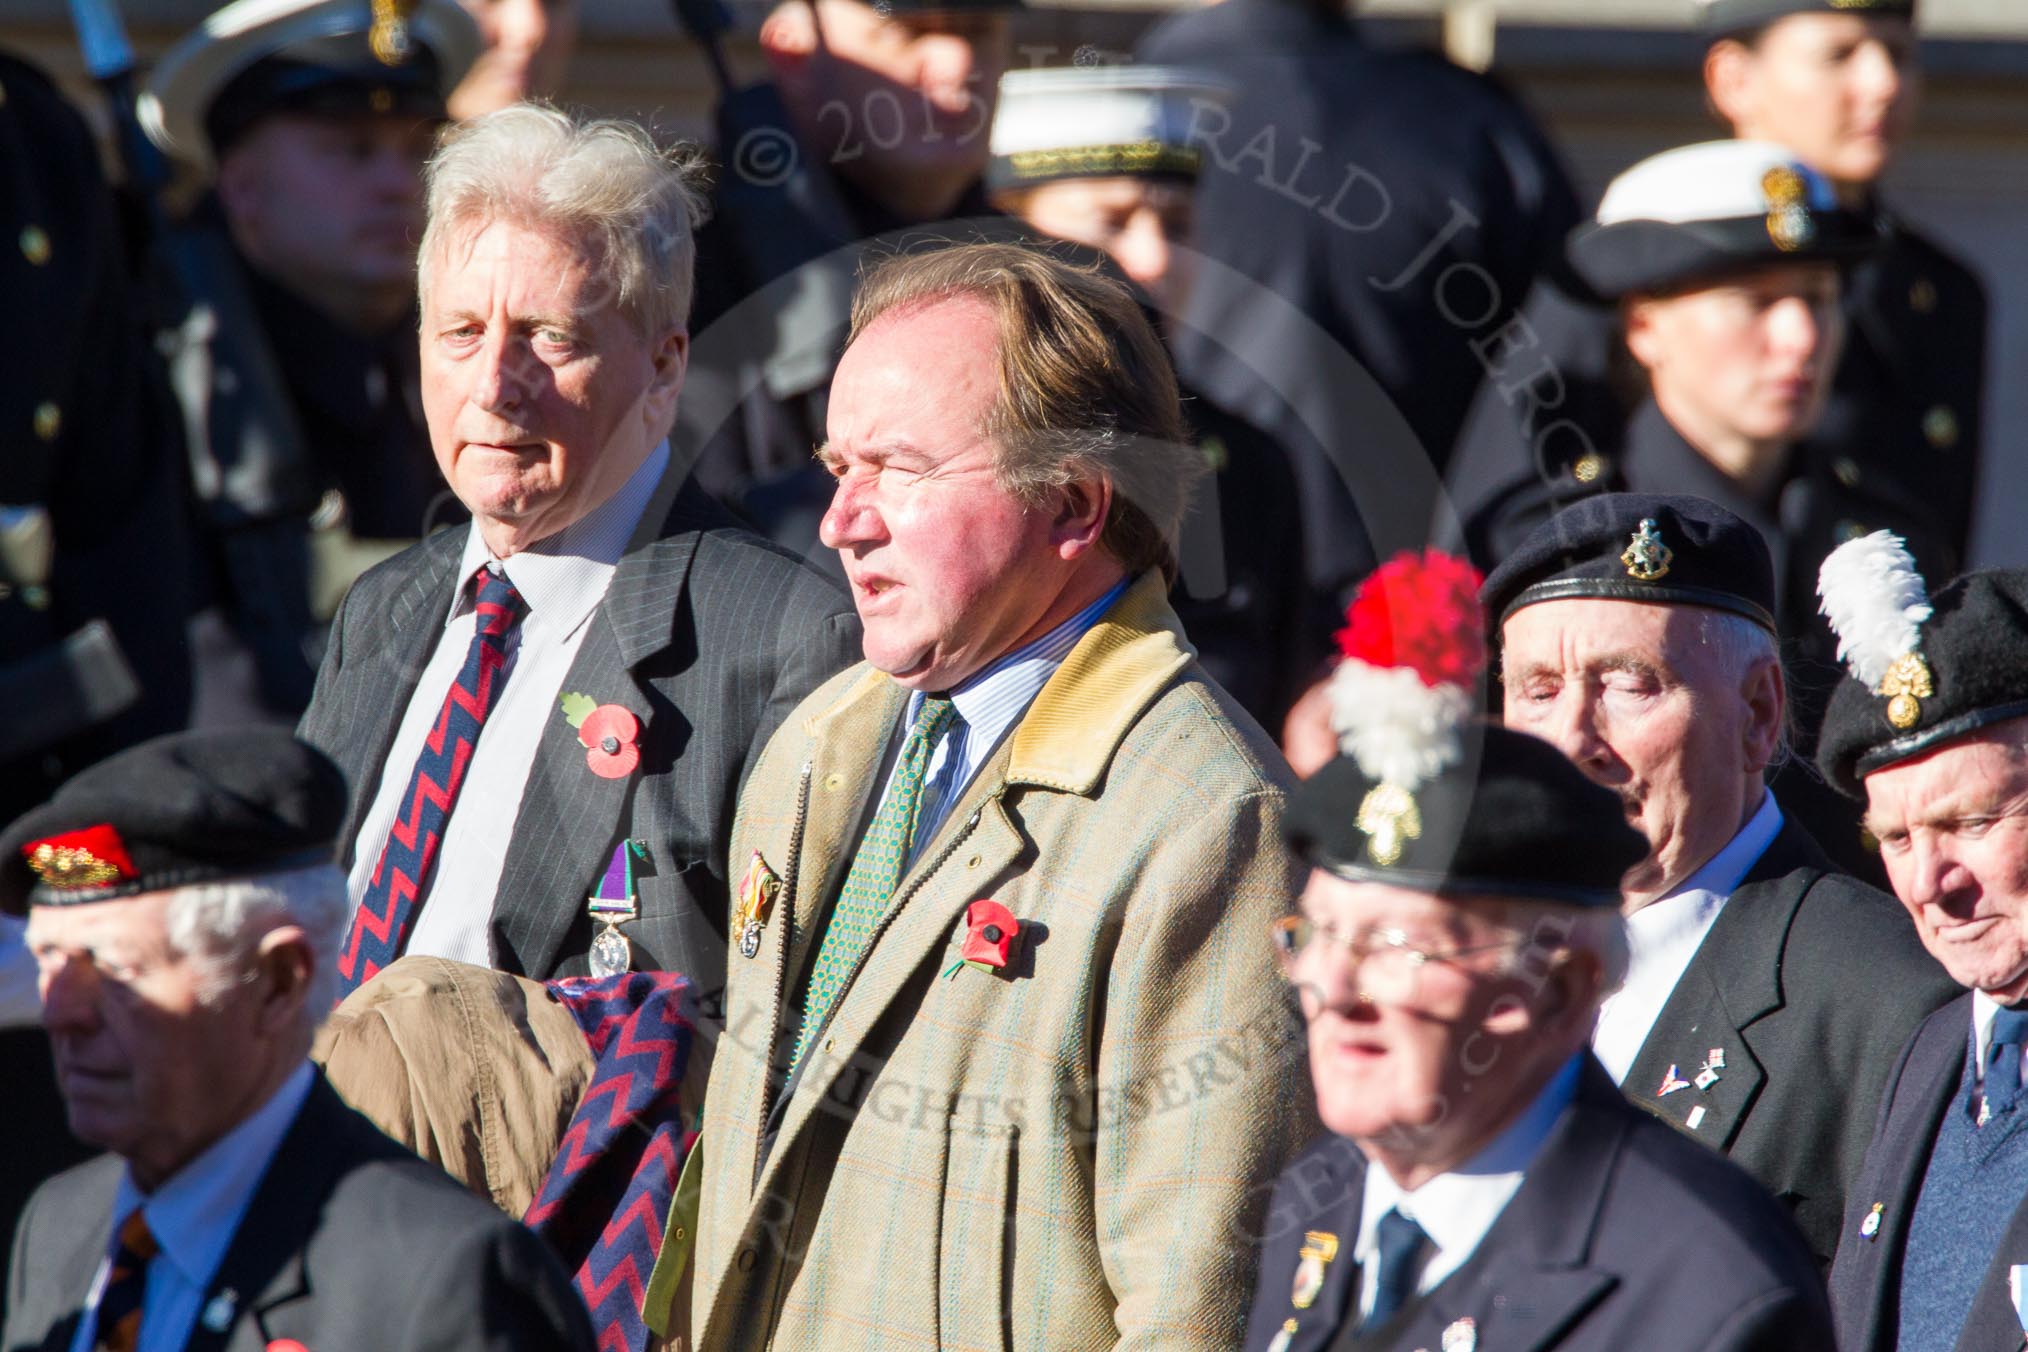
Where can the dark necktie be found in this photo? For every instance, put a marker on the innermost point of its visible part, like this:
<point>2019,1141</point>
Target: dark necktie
<point>387,912</point>
<point>1403,1248</point>
<point>2003,1061</point>
<point>119,1318</point>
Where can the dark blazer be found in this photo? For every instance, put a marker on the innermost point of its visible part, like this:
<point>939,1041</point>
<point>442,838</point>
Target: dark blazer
<point>1866,1279</point>
<point>1810,982</point>
<point>350,1242</point>
<point>1623,1235</point>
<point>707,634</point>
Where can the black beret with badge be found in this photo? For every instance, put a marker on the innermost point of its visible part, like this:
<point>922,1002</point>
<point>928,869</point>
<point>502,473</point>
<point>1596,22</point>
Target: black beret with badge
<point>1721,18</point>
<point>193,807</point>
<point>1922,670</point>
<point>329,58</point>
<point>1699,213</point>
<point>1099,122</point>
<point>1428,796</point>
<point>1663,549</point>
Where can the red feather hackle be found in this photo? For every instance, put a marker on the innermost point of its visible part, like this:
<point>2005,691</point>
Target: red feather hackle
<point>1420,611</point>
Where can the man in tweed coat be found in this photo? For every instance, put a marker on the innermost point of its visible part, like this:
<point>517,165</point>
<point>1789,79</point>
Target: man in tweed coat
<point>555,278</point>
<point>1006,1063</point>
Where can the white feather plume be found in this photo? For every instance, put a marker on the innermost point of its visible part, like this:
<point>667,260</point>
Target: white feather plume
<point>1399,730</point>
<point>1876,603</point>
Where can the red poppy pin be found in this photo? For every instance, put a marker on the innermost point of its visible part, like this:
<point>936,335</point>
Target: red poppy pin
<point>610,734</point>
<point>990,930</point>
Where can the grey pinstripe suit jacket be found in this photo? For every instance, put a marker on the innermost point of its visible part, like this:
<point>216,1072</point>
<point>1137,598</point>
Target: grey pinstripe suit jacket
<point>707,633</point>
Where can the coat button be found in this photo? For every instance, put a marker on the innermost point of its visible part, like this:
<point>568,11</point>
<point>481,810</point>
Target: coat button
<point>34,245</point>
<point>1922,296</point>
<point>747,1259</point>
<point>1588,467</point>
<point>48,421</point>
<point>1847,471</point>
<point>834,781</point>
<point>1940,427</point>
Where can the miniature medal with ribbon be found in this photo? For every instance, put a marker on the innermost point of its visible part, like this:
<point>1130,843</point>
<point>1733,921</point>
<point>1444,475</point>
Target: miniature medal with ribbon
<point>750,912</point>
<point>613,905</point>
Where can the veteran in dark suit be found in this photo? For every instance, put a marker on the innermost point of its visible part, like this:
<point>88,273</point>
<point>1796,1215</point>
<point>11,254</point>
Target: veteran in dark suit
<point>1931,727</point>
<point>183,917</point>
<point>1768,992</point>
<point>1486,1186</point>
<point>574,687</point>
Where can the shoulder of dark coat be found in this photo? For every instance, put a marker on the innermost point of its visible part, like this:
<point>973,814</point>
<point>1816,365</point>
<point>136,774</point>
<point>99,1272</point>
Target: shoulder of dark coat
<point>1848,936</point>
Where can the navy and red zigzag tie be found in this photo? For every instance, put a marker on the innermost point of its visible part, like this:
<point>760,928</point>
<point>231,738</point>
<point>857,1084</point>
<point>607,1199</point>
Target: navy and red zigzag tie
<point>387,912</point>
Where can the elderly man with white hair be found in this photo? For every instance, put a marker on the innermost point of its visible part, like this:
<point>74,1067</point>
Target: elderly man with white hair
<point>183,919</point>
<point>545,717</point>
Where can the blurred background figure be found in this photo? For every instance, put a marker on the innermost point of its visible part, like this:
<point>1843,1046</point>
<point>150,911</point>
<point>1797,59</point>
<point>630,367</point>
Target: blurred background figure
<point>1899,438</point>
<point>95,564</point>
<point>1386,205</point>
<point>873,124</point>
<point>1101,157</point>
<point>1725,261</point>
<point>525,48</point>
<point>310,121</point>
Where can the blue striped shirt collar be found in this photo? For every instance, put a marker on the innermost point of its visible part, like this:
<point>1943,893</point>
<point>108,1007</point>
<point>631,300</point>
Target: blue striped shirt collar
<point>994,697</point>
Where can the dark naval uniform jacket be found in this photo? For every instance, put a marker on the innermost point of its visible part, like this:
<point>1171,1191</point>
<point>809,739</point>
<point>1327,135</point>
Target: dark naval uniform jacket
<point>350,1241</point>
<point>1623,1235</point>
<point>1806,987</point>
<point>1898,444</point>
<point>706,634</point>
<point>1370,215</point>
<point>1866,1278</point>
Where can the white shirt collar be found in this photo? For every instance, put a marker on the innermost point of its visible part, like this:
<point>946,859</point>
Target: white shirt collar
<point>1984,1009</point>
<point>564,577</point>
<point>1664,935</point>
<point>1457,1209</point>
<point>197,1210</point>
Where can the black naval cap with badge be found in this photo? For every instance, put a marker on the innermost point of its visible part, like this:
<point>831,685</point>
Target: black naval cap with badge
<point>192,807</point>
<point>1429,797</point>
<point>1698,213</point>
<point>326,58</point>
<point>1922,670</point>
<point>1099,122</point>
<point>1721,18</point>
<point>1662,549</point>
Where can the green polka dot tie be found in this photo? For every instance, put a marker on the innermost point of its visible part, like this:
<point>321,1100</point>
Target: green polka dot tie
<point>876,871</point>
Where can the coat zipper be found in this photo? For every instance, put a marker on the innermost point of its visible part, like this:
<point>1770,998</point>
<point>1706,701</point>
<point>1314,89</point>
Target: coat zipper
<point>793,869</point>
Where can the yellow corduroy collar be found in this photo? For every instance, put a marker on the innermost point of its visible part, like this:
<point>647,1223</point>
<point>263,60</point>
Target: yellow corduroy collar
<point>1069,735</point>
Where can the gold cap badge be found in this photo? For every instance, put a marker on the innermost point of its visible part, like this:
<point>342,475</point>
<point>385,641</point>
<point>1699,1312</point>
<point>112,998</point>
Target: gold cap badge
<point>1646,557</point>
<point>1389,817</point>
<point>78,860</point>
<point>389,37</point>
<point>1788,211</point>
<point>1904,687</point>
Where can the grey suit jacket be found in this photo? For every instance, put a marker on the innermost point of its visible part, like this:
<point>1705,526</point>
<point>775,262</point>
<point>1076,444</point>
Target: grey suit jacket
<point>350,1242</point>
<point>708,634</point>
<point>1808,984</point>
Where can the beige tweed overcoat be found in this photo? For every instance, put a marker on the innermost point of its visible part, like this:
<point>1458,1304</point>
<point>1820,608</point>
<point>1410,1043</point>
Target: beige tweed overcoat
<point>1075,1151</point>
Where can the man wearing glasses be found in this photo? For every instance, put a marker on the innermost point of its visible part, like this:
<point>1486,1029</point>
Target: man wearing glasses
<point>1487,1185</point>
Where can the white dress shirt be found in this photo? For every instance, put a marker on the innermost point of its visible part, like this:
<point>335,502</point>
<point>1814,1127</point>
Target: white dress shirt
<point>1457,1209</point>
<point>1664,936</point>
<point>988,705</point>
<point>563,579</point>
<point>194,1216</point>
